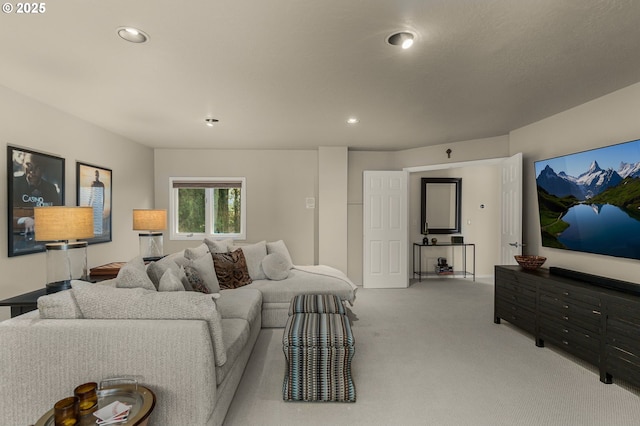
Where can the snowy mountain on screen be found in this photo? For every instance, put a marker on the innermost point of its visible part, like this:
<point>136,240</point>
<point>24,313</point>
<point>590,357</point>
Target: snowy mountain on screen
<point>586,185</point>
<point>627,169</point>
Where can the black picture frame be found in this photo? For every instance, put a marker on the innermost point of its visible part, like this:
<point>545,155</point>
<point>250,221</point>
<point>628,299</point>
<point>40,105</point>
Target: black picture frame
<point>33,179</point>
<point>94,189</point>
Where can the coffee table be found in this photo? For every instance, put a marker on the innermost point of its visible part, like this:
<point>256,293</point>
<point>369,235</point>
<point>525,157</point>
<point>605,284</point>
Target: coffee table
<point>141,399</point>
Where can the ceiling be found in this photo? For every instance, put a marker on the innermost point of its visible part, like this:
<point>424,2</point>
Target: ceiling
<point>286,74</point>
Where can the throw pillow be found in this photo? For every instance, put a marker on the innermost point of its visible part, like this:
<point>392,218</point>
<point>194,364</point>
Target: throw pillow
<point>101,302</point>
<point>196,252</point>
<point>170,282</point>
<point>275,266</point>
<point>218,246</point>
<point>133,274</point>
<point>231,269</point>
<point>204,266</point>
<point>254,253</point>
<point>194,280</point>
<point>155,270</point>
<point>280,247</point>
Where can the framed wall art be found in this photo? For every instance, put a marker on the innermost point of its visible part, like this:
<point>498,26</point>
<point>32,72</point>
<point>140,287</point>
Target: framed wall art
<point>93,189</point>
<point>33,179</point>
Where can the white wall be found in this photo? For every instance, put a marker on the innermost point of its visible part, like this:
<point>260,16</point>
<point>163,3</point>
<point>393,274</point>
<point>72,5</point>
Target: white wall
<point>332,207</point>
<point>604,121</point>
<point>30,124</point>
<point>479,187</point>
<point>480,226</point>
<point>278,184</point>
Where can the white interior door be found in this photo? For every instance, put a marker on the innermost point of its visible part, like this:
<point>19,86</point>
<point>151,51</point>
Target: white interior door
<point>385,230</point>
<point>511,216</point>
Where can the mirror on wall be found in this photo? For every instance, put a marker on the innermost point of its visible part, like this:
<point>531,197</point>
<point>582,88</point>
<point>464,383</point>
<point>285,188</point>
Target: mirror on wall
<point>441,205</point>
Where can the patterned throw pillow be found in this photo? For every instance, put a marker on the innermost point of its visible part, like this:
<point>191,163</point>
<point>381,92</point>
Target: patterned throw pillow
<point>231,269</point>
<point>195,280</point>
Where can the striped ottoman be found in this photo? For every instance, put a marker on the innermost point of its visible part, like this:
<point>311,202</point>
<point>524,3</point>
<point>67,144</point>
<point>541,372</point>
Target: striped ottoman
<point>318,348</point>
<point>316,303</point>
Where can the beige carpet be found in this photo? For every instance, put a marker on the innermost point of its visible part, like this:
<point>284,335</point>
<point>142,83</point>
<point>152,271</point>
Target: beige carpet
<point>431,355</point>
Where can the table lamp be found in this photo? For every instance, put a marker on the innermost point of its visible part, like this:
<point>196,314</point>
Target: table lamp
<point>152,221</point>
<point>65,261</point>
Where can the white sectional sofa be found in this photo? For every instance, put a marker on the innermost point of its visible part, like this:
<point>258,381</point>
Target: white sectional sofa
<point>190,348</point>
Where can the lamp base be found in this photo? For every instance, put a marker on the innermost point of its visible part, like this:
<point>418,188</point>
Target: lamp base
<point>150,244</point>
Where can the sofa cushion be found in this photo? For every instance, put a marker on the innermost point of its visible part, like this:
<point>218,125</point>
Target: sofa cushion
<point>236,334</point>
<point>196,252</point>
<point>204,267</point>
<point>101,302</point>
<point>244,303</point>
<point>133,275</point>
<point>155,270</point>
<point>280,247</point>
<point>231,269</point>
<point>193,281</point>
<point>60,305</point>
<point>275,266</point>
<point>218,246</point>
<point>254,253</point>
<point>170,282</point>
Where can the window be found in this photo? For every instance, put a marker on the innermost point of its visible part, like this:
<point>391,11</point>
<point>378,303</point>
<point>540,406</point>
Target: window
<point>207,207</point>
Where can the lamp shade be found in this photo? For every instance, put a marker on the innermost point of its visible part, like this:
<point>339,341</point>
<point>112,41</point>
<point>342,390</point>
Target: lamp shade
<point>54,223</point>
<point>149,220</point>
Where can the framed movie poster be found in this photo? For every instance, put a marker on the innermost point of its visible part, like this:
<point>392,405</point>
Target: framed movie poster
<point>33,179</point>
<point>93,189</point>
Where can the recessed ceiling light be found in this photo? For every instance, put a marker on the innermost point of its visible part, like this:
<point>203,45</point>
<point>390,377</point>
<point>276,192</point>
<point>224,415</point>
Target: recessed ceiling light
<point>133,35</point>
<point>210,121</point>
<point>403,39</point>
<point>353,120</point>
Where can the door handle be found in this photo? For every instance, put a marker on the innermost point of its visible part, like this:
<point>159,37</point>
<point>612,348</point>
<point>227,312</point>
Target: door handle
<point>516,244</point>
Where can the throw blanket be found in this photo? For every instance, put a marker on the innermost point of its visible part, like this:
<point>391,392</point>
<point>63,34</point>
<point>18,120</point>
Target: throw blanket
<point>328,271</point>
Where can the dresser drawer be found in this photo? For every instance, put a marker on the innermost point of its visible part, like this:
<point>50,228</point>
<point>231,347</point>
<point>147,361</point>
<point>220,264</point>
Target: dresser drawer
<point>570,333</point>
<point>570,311</point>
<point>509,279</point>
<point>518,298</point>
<point>516,315</point>
<point>577,294</point>
<point>578,346</point>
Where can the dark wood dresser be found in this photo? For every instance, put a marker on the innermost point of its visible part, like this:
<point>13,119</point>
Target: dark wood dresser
<point>594,318</point>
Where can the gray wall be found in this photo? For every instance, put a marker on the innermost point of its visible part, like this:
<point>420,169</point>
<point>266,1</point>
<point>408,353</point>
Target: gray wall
<point>30,124</point>
<point>278,184</point>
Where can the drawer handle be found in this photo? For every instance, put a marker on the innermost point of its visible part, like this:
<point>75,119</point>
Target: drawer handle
<point>566,318</point>
<point>565,342</point>
<point>566,293</point>
<point>565,306</point>
<point>564,330</point>
<point>597,312</point>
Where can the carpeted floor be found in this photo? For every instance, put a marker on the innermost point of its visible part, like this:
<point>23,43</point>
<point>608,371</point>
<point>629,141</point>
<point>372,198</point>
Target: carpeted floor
<point>431,355</point>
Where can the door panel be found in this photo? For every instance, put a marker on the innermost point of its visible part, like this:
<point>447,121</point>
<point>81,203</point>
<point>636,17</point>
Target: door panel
<point>385,230</point>
<point>511,215</point>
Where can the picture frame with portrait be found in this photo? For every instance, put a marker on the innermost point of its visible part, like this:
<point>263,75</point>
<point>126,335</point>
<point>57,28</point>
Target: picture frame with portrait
<point>93,189</point>
<point>33,179</point>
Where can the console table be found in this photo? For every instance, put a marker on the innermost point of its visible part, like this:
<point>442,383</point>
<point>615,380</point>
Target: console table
<point>28,302</point>
<point>417,260</point>
<point>24,303</point>
<point>594,318</point>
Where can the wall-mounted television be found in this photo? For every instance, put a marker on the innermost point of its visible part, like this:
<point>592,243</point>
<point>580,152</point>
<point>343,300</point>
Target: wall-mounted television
<point>589,201</point>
